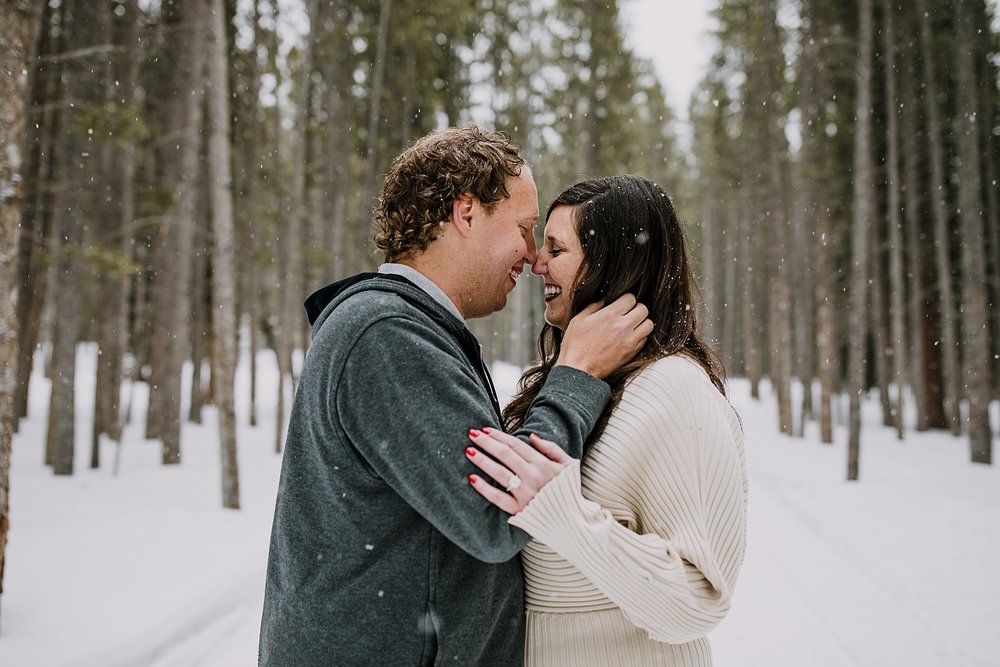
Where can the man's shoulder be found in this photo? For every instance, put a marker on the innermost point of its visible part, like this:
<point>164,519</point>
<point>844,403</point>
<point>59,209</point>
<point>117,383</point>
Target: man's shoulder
<point>374,299</point>
<point>382,309</point>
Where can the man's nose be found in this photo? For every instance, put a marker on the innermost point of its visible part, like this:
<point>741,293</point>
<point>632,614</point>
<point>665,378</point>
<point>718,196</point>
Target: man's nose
<point>532,252</point>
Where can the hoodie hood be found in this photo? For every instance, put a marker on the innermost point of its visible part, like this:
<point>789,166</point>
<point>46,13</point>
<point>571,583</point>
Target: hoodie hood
<point>325,300</point>
<point>324,296</point>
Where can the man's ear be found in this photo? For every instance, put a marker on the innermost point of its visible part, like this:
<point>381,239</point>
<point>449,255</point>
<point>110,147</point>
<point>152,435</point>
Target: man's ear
<point>461,213</point>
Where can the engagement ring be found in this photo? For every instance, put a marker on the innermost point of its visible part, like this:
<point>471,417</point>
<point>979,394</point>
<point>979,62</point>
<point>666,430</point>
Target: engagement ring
<point>514,484</point>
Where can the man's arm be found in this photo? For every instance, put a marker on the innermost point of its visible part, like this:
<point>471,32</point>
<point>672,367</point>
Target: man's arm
<point>406,400</point>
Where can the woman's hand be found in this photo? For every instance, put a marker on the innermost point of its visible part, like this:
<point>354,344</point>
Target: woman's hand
<point>520,468</point>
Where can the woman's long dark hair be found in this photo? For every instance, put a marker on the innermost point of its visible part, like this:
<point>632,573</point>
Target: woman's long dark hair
<point>632,242</point>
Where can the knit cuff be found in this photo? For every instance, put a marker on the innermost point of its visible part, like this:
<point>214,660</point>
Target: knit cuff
<point>559,510</point>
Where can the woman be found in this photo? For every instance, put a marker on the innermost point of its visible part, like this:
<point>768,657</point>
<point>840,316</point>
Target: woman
<point>637,547</point>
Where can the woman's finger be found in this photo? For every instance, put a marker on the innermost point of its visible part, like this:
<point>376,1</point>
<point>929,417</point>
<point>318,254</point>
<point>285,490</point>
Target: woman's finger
<point>507,449</point>
<point>550,449</point>
<point>495,471</point>
<point>502,500</point>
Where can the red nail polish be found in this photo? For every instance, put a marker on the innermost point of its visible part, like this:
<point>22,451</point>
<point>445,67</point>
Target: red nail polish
<point>487,430</point>
<point>473,433</point>
<point>473,479</point>
<point>469,451</point>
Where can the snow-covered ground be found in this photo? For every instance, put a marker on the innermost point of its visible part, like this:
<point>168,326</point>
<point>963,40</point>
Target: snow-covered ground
<point>145,568</point>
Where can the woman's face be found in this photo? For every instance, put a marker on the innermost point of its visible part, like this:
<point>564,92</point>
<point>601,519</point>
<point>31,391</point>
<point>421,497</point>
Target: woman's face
<point>558,261</point>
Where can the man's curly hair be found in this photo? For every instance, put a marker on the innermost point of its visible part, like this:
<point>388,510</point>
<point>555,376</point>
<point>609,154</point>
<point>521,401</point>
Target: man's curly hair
<point>425,180</point>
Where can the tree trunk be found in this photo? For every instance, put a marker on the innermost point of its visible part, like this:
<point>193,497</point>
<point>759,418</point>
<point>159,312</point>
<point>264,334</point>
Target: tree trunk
<point>805,334</point>
<point>779,312</point>
<point>816,92</point>
<point>199,326</point>
<point>912,186</point>
<point>975,325</point>
<point>291,264</point>
<point>173,284</point>
<point>251,287</point>
<point>114,225</point>
<point>368,186</point>
<point>897,285</point>
<point>749,264</point>
<point>880,315</point>
<point>223,254</point>
<point>942,242</point>
<point>20,21</point>
<point>68,273</point>
<point>862,213</point>
<point>989,110</point>
<point>826,322</point>
<point>731,314</point>
<point>37,211</point>
<point>711,248</point>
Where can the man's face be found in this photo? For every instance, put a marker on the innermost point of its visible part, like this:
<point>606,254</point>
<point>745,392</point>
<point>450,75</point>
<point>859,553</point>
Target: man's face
<point>503,242</point>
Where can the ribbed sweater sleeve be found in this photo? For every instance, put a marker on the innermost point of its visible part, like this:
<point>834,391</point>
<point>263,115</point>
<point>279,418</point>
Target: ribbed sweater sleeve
<point>678,445</point>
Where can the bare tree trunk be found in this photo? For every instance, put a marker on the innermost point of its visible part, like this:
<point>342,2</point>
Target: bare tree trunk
<point>68,270</point>
<point>345,239</point>
<point>897,285</point>
<point>915,259</point>
<point>815,94</point>
<point>199,325</point>
<point>281,339</point>
<point>110,228</point>
<point>106,200</point>
<point>863,211</point>
<point>805,335</point>
<point>989,110</point>
<point>976,359</point>
<point>249,251</point>
<point>223,254</point>
<point>180,232</point>
<point>731,318</point>
<point>826,322</point>
<point>37,211</point>
<point>942,243</point>
<point>131,57</point>
<point>880,315</point>
<point>711,248</point>
<point>374,114</point>
<point>749,264</point>
<point>291,264</point>
<point>20,21</point>
<point>779,313</point>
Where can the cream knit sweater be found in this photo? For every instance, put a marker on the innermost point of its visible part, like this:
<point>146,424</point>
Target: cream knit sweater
<point>639,564</point>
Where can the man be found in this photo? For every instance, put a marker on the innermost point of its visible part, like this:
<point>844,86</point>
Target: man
<point>381,553</point>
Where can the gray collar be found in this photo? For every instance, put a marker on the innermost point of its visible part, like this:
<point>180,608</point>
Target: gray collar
<point>424,283</point>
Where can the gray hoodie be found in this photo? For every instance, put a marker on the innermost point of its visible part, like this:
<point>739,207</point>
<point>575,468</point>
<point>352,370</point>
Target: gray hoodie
<point>381,553</point>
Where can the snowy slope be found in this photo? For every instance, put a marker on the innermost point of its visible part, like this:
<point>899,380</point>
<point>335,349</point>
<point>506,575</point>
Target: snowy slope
<point>145,568</point>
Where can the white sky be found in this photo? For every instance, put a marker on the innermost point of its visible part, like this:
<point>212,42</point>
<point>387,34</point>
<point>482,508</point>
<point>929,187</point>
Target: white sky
<point>674,34</point>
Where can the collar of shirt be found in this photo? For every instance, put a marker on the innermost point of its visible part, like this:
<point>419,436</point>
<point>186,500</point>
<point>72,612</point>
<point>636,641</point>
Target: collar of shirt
<point>424,283</point>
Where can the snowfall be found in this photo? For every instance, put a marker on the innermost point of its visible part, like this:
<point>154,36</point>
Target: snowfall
<point>144,567</point>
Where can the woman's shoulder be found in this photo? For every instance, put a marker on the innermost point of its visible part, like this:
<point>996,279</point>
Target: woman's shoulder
<point>681,385</point>
<point>673,372</point>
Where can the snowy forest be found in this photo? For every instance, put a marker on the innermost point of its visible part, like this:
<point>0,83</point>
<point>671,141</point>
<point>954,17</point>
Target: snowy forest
<point>176,176</point>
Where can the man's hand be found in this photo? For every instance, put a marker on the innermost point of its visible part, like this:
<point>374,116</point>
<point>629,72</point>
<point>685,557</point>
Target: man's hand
<point>599,340</point>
